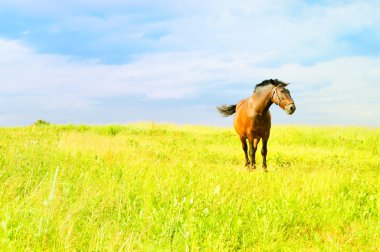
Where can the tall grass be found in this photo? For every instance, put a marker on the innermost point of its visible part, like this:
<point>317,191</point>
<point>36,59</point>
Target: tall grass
<point>148,187</point>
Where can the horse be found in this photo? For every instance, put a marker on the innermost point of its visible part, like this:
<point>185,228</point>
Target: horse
<point>252,120</point>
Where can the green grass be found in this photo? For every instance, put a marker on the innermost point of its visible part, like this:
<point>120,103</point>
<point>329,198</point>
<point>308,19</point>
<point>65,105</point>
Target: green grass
<point>148,187</point>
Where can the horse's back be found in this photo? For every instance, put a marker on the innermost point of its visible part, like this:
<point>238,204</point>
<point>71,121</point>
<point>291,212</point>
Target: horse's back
<point>241,104</point>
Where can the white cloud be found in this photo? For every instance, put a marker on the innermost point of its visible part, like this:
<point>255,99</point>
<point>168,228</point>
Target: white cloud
<point>338,91</point>
<point>341,91</point>
<point>171,75</point>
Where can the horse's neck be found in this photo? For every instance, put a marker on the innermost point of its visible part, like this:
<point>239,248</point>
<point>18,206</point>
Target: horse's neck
<point>261,101</point>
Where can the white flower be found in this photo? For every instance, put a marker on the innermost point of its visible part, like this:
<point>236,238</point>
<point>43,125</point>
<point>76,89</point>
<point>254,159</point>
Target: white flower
<point>217,189</point>
<point>205,211</point>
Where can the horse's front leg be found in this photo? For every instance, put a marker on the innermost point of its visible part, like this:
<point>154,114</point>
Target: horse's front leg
<point>245,149</point>
<point>264,152</point>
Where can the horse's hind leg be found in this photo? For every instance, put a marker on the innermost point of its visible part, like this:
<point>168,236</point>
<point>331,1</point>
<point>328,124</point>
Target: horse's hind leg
<point>245,149</point>
<point>252,151</point>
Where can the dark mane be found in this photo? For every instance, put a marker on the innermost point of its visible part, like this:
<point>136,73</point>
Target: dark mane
<point>268,82</point>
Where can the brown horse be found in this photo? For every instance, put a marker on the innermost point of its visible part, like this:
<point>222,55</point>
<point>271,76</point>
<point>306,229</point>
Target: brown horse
<point>252,119</point>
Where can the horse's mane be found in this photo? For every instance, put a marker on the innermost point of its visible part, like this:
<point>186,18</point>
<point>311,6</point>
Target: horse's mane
<point>268,82</point>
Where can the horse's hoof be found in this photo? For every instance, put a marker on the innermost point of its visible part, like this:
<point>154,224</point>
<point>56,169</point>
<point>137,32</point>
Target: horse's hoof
<point>251,168</point>
<point>265,169</point>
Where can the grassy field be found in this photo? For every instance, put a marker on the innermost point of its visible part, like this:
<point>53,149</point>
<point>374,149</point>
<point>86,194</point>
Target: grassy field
<point>148,187</point>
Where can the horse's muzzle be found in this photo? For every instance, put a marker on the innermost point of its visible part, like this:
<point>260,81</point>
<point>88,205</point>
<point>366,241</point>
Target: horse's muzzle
<point>290,108</point>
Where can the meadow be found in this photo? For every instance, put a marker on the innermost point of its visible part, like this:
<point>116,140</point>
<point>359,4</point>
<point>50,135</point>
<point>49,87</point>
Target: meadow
<point>156,187</point>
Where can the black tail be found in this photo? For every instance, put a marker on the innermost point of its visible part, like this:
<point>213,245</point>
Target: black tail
<point>227,110</point>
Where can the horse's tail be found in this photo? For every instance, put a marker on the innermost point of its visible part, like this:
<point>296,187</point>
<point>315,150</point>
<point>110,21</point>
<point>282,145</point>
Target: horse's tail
<point>227,110</point>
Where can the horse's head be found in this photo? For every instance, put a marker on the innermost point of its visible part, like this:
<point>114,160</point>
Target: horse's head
<point>281,96</point>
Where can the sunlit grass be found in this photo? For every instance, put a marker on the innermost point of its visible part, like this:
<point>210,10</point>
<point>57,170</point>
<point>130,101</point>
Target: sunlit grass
<point>168,187</point>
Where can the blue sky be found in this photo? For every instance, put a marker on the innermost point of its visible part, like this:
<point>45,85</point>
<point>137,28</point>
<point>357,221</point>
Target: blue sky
<point>103,62</point>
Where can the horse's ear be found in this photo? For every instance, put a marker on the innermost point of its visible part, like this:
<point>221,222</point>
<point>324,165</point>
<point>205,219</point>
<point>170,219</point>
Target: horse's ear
<point>282,84</point>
